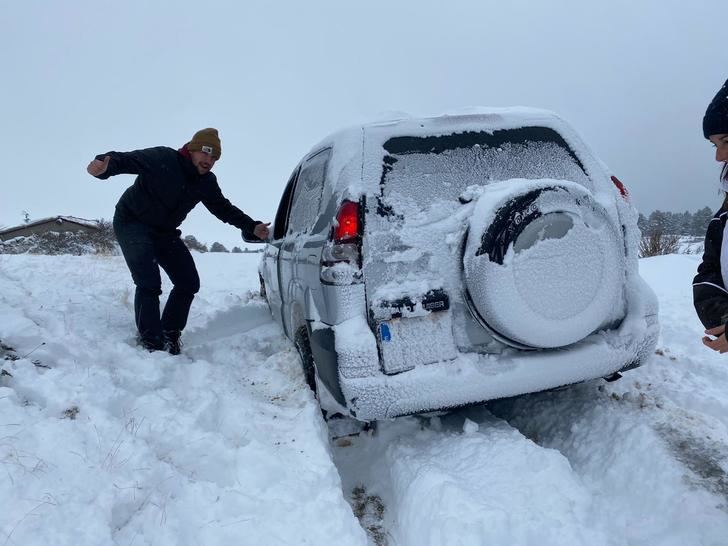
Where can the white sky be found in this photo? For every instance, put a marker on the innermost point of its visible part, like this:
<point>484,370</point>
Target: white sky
<point>85,77</point>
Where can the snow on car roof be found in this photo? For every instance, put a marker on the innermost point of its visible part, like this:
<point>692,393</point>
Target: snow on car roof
<point>471,118</point>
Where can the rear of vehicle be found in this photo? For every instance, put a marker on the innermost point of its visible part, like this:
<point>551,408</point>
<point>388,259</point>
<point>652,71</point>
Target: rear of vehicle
<point>475,257</point>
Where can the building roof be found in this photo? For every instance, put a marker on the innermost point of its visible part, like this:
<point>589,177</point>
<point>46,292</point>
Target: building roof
<point>53,219</point>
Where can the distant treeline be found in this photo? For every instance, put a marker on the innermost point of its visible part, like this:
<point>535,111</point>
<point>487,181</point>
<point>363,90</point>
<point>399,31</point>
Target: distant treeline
<point>676,223</point>
<point>193,244</point>
<point>94,240</point>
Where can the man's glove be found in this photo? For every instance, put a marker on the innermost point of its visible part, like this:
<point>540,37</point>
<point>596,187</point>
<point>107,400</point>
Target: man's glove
<point>261,231</point>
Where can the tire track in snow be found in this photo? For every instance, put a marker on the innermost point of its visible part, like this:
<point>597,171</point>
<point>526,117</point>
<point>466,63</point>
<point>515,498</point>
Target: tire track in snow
<point>704,457</point>
<point>647,467</point>
<point>464,477</point>
<point>579,465</point>
<point>231,322</point>
<point>369,510</point>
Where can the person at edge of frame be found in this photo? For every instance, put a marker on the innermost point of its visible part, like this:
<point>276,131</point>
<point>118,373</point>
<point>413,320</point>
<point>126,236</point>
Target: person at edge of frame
<point>710,295</point>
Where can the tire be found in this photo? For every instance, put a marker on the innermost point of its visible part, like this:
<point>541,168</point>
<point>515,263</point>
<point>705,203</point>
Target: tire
<point>303,346</point>
<point>263,292</point>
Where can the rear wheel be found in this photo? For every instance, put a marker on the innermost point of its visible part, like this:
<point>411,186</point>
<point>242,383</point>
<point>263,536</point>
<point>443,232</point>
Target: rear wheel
<point>303,345</point>
<point>263,293</point>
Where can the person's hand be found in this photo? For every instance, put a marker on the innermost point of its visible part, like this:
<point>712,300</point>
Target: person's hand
<point>98,167</point>
<point>719,343</point>
<point>261,231</point>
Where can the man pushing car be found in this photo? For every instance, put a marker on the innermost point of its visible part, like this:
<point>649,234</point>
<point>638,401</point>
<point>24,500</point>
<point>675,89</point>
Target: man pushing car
<point>169,184</point>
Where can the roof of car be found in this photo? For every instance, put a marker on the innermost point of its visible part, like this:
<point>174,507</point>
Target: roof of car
<point>473,118</point>
<point>480,116</point>
<point>467,119</point>
<point>353,145</point>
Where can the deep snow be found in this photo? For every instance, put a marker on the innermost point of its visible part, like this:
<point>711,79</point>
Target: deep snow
<point>101,443</point>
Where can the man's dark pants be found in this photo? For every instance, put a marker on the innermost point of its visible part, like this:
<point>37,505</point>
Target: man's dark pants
<point>145,250</point>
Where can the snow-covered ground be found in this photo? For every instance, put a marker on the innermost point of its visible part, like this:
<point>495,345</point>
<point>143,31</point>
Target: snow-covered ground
<point>101,443</point>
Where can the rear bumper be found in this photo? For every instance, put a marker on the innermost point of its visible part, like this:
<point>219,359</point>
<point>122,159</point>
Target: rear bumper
<point>472,378</point>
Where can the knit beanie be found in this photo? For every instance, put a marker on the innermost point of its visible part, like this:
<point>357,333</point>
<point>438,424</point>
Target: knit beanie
<point>206,140</point>
<point>715,121</point>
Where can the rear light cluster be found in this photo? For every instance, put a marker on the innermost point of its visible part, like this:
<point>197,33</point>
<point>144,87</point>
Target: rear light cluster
<point>341,256</point>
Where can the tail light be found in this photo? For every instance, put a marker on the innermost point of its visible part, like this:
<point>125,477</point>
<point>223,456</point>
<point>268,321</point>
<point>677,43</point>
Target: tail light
<point>347,222</point>
<point>341,255</point>
<point>621,187</point>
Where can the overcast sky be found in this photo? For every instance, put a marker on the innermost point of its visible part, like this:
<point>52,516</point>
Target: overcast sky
<point>84,77</point>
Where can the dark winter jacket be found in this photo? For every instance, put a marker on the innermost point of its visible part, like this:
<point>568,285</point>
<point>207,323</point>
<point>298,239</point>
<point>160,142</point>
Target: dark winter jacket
<point>167,188</point>
<point>709,292</point>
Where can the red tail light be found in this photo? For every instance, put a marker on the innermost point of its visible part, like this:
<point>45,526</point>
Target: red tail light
<point>341,258</point>
<point>621,187</point>
<point>347,220</point>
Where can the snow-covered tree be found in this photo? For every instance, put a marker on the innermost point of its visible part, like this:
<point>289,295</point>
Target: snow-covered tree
<point>193,244</point>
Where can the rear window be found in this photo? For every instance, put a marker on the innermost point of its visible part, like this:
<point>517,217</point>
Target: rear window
<point>419,171</point>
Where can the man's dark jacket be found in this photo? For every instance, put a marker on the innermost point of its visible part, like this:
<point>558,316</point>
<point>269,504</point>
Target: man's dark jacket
<point>168,187</point>
<point>709,292</point>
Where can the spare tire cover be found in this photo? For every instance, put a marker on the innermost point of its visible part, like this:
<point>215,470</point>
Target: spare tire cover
<point>544,264</point>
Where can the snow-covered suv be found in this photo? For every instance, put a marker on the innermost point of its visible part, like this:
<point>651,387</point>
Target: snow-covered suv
<point>421,264</point>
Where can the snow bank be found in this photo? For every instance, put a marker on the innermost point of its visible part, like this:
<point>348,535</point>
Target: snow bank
<point>102,443</point>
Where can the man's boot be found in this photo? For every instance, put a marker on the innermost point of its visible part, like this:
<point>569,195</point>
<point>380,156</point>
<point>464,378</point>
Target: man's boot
<point>173,341</point>
<point>150,344</point>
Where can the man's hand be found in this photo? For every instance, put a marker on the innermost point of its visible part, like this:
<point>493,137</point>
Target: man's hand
<point>719,343</point>
<point>98,167</point>
<point>261,231</point>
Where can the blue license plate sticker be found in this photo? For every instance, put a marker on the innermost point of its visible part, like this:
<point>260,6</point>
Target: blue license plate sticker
<point>384,332</point>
